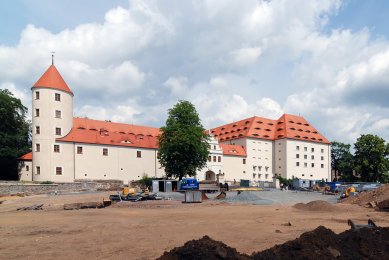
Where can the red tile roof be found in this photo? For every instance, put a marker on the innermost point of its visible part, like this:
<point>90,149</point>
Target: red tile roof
<point>233,150</point>
<point>287,126</point>
<point>52,79</point>
<point>26,157</point>
<point>108,133</point>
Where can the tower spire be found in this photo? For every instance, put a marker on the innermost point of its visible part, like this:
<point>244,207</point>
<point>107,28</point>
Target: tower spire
<point>52,57</point>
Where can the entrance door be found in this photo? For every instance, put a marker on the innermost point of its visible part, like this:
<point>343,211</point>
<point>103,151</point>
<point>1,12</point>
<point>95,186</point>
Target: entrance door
<point>210,176</point>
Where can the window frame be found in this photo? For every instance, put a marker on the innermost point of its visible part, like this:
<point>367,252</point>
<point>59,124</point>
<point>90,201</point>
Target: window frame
<point>138,154</point>
<point>56,131</point>
<point>105,152</point>
<point>57,97</point>
<point>58,169</point>
<point>57,148</point>
<point>80,150</point>
<point>58,114</point>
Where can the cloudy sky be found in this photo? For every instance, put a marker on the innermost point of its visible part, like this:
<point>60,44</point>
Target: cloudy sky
<point>129,61</point>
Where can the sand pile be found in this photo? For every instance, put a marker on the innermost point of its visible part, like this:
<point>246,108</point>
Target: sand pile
<point>321,243</point>
<point>316,205</point>
<point>373,196</point>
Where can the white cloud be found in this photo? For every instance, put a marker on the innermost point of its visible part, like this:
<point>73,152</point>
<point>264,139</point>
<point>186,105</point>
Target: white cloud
<point>246,56</point>
<point>232,59</point>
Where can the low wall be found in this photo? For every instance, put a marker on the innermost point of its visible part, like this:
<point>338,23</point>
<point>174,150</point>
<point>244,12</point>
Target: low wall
<point>9,188</point>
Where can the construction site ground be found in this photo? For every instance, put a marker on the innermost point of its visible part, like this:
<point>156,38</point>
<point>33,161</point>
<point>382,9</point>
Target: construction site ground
<point>250,222</point>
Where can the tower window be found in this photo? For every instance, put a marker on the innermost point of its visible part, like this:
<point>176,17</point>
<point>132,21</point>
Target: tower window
<point>244,161</point>
<point>58,170</point>
<point>38,170</point>
<point>37,112</point>
<point>37,147</point>
<point>37,96</point>
<point>58,131</point>
<point>105,151</point>
<point>79,149</point>
<point>56,148</point>
<point>57,97</point>
<point>37,130</point>
<point>58,113</point>
<point>138,154</point>
<point>27,168</point>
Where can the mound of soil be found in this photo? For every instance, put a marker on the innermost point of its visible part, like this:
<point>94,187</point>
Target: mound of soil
<point>321,243</point>
<point>365,243</point>
<point>373,196</point>
<point>204,248</point>
<point>316,205</point>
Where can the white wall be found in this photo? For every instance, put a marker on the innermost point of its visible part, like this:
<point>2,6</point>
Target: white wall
<point>25,170</point>
<point>234,169</point>
<point>321,160</point>
<point>46,159</point>
<point>121,163</point>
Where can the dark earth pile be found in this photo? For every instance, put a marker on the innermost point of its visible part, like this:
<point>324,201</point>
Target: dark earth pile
<point>321,243</point>
<point>204,248</point>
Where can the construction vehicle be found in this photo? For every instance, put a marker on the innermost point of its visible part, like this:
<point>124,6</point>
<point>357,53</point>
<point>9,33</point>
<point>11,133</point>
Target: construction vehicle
<point>347,192</point>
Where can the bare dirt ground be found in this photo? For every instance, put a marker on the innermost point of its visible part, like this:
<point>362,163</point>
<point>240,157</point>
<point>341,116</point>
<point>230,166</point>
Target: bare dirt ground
<point>144,230</point>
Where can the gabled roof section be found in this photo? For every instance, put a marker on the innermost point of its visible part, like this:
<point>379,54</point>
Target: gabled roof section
<point>26,157</point>
<point>233,150</point>
<point>108,133</point>
<point>52,79</point>
<point>287,126</point>
<point>296,127</point>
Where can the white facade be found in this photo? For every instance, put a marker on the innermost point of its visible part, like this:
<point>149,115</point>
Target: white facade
<point>259,159</point>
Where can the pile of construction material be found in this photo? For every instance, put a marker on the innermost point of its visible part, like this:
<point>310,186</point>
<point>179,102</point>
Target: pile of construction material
<point>321,243</point>
<point>377,198</point>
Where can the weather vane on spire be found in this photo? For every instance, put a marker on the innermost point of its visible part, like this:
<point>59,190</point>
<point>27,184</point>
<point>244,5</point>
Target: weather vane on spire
<point>52,57</point>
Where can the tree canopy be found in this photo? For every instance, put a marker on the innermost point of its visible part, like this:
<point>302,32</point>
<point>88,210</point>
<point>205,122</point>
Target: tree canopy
<point>14,134</point>
<point>342,161</point>
<point>183,144</point>
<point>371,158</point>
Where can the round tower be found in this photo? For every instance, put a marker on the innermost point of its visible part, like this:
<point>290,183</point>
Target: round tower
<point>52,118</point>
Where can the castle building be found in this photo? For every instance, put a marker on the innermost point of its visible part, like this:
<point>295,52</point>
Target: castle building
<point>68,149</point>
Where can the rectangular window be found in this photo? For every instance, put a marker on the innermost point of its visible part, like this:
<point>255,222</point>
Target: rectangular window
<point>214,158</point>
<point>322,158</point>
<point>312,165</point>
<point>244,161</point>
<point>79,149</point>
<point>56,148</point>
<point>138,154</point>
<point>27,168</point>
<point>37,130</point>
<point>305,149</point>
<point>37,96</point>
<point>158,155</point>
<point>266,168</point>
<point>58,131</point>
<point>105,151</point>
<point>57,113</point>
<point>305,165</point>
<point>57,97</point>
<point>37,147</point>
<point>312,157</point>
<point>219,158</point>
<point>322,150</point>
<point>297,148</point>
<point>297,156</point>
<point>58,170</point>
<point>322,165</point>
<point>37,112</point>
<point>305,156</point>
<point>214,147</point>
<point>38,170</point>
<point>209,158</point>
<point>312,149</point>
<point>297,164</point>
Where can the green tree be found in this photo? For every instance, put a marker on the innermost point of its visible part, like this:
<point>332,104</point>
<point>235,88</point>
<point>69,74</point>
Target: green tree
<point>14,134</point>
<point>371,158</point>
<point>183,144</point>
<point>342,161</point>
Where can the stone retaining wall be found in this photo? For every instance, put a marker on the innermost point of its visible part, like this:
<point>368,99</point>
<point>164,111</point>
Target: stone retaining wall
<point>9,188</point>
